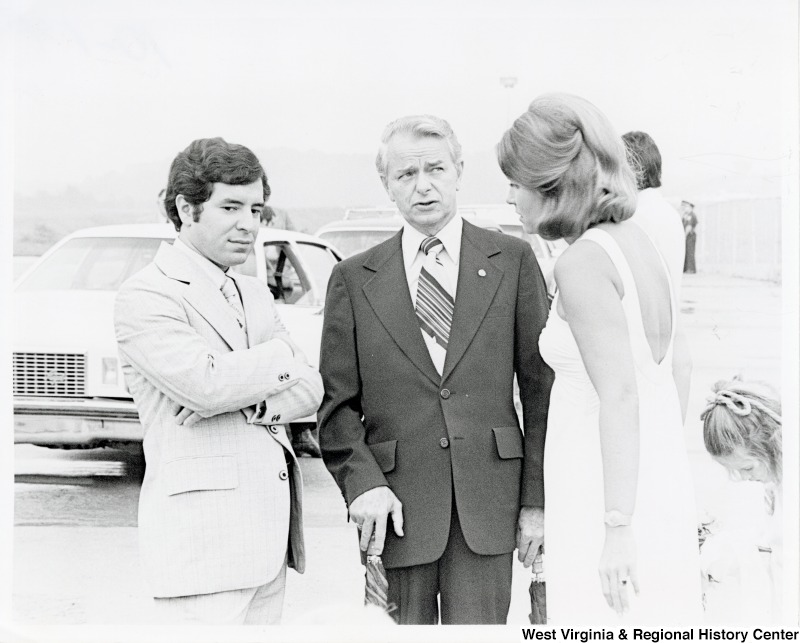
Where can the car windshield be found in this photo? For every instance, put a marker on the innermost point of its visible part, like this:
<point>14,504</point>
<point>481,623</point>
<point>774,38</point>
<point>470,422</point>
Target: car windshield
<point>350,242</point>
<point>92,263</point>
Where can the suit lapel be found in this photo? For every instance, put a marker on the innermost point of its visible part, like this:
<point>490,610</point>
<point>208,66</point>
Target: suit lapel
<point>387,293</point>
<point>478,280</point>
<point>202,295</point>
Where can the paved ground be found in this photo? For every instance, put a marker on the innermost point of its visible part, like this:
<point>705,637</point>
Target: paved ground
<point>74,565</point>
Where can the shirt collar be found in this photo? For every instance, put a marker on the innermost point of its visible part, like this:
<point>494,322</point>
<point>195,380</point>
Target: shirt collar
<point>208,268</point>
<point>450,236</point>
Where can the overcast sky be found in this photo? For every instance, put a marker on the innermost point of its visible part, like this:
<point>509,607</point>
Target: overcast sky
<point>102,85</point>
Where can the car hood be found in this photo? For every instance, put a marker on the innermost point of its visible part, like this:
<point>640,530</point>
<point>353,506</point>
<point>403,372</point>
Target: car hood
<point>83,320</point>
<point>63,321</point>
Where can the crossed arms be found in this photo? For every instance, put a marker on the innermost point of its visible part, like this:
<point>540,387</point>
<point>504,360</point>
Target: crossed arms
<point>267,380</point>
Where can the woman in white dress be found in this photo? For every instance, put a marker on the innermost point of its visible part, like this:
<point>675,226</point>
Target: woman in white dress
<point>620,526</point>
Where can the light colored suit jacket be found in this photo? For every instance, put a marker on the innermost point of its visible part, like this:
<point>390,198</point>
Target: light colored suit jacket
<point>389,418</point>
<point>221,496</point>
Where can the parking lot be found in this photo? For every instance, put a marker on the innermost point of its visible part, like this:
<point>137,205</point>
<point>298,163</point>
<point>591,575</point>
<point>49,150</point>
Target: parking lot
<point>75,549</point>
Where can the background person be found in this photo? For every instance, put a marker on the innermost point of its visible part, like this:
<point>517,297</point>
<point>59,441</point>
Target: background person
<point>422,337</point>
<point>619,493</point>
<point>277,218</point>
<point>654,214</point>
<point>662,224</point>
<point>690,229</point>
<point>212,369</point>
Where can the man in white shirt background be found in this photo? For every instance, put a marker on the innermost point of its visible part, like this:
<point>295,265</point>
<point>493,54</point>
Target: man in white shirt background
<point>662,224</point>
<point>654,215</point>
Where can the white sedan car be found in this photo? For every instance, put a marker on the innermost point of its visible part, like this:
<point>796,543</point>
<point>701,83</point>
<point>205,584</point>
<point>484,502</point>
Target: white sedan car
<point>68,387</point>
<point>362,228</point>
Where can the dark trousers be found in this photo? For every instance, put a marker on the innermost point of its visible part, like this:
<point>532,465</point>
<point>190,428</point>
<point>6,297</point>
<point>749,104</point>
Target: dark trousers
<point>472,589</point>
<point>688,263</point>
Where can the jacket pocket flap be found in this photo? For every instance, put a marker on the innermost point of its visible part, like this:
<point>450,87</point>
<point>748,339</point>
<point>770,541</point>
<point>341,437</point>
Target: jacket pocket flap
<point>384,454</point>
<point>509,442</point>
<point>200,474</point>
<point>498,310</point>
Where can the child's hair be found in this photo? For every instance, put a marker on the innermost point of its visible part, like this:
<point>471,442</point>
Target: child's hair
<point>746,416</point>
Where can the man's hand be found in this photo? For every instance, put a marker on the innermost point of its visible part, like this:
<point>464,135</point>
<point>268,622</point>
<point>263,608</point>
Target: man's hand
<point>186,417</point>
<point>530,534</point>
<point>370,511</point>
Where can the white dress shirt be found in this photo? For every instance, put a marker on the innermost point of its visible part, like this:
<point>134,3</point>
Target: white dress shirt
<point>662,223</point>
<point>211,270</point>
<point>450,236</point>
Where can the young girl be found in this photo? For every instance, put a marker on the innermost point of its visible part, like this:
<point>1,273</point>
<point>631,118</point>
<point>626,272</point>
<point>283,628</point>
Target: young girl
<point>742,432</point>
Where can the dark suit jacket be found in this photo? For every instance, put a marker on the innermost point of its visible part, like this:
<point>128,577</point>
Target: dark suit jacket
<point>388,418</point>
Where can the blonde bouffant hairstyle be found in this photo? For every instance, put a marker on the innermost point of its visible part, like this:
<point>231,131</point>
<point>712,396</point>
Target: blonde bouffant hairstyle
<point>745,416</point>
<point>567,150</point>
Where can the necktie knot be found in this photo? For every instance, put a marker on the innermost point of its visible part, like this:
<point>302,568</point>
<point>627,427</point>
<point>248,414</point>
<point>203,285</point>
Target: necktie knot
<point>431,244</point>
<point>229,289</point>
<point>231,294</point>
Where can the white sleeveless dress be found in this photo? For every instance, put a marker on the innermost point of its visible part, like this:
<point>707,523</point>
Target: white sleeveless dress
<point>665,521</point>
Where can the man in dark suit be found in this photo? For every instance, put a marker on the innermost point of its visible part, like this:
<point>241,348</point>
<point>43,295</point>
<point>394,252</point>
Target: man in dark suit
<point>423,335</point>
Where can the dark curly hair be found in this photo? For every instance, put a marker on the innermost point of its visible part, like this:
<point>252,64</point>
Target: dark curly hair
<point>207,161</point>
<point>644,159</point>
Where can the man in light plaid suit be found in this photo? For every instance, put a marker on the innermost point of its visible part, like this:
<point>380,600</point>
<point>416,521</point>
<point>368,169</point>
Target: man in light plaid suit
<point>213,371</point>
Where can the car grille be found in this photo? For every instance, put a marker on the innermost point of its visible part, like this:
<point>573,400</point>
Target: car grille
<point>60,374</point>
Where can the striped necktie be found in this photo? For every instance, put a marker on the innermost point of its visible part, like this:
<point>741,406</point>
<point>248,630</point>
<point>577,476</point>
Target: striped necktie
<point>434,303</point>
<point>231,293</point>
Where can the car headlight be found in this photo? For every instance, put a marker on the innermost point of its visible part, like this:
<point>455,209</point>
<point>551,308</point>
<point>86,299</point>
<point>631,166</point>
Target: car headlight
<point>109,371</point>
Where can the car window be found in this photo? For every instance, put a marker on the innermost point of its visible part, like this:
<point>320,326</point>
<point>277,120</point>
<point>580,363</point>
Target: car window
<point>286,278</point>
<point>92,263</point>
<point>319,262</point>
<point>350,242</point>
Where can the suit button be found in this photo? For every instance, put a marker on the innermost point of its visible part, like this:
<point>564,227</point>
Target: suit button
<point>283,475</point>
<point>286,376</point>
<point>276,418</point>
<point>273,430</point>
<point>445,393</point>
<point>444,443</point>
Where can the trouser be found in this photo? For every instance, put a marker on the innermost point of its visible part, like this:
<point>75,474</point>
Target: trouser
<point>262,605</point>
<point>471,588</point>
<point>689,262</point>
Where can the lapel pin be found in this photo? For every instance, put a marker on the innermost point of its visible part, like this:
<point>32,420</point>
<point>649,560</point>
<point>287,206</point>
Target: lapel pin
<point>481,273</point>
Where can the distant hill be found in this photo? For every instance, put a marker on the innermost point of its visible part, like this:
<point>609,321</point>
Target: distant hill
<point>316,188</point>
